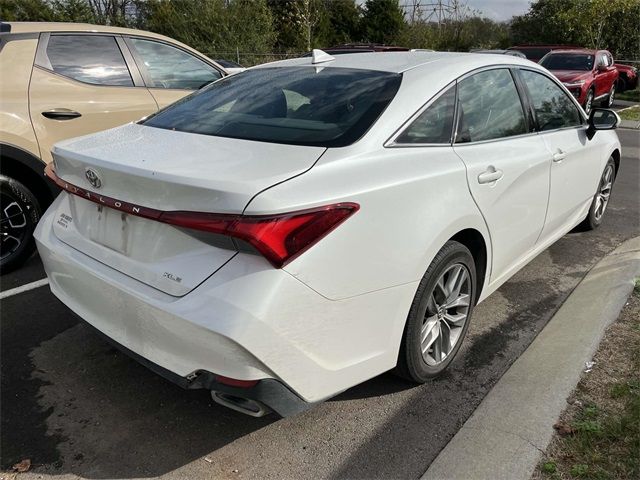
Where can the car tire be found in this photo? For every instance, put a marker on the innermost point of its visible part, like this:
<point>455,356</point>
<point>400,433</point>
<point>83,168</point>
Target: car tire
<point>608,101</point>
<point>621,84</point>
<point>601,198</point>
<point>19,214</point>
<point>588,102</point>
<point>431,337</point>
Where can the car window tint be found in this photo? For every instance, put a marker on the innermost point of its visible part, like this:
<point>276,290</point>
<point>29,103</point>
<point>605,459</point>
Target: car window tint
<point>489,107</point>
<point>434,125</point>
<point>89,58</point>
<point>170,67</point>
<point>329,107</point>
<point>553,107</point>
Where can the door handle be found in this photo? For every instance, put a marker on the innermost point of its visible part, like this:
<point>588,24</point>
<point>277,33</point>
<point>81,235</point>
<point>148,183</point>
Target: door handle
<point>490,175</point>
<point>559,156</point>
<point>61,114</point>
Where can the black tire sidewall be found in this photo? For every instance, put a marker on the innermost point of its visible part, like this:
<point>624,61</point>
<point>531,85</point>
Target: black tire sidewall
<point>415,367</point>
<point>23,196</point>
<point>591,222</point>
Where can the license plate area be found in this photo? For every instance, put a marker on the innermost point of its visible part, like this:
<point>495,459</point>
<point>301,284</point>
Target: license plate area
<point>109,228</point>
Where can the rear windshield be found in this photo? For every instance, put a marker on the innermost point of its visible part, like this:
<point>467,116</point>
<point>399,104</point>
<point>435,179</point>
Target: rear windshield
<point>316,106</point>
<point>569,61</point>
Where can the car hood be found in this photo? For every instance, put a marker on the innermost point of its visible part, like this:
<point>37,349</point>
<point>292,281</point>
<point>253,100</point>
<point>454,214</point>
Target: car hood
<point>568,76</point>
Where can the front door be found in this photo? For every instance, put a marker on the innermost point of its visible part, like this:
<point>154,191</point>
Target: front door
<point>574,160</point>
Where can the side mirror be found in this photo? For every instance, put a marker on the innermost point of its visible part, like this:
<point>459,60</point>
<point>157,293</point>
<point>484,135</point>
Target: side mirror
<point>602,119</point>
<point>601,67</point>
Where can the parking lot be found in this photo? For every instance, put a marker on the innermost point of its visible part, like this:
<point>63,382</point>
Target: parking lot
<point>76,406</point>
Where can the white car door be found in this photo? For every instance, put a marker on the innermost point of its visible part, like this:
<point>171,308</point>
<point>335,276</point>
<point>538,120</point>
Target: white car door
<point>575,166</point>
<point>507,165</point>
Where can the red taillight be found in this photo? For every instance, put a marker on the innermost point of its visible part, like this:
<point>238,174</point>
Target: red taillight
<point>279,238</point>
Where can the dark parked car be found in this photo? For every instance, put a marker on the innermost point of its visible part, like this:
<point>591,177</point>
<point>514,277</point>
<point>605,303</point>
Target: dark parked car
<point>590,75</point>
<point>514,53</point>
<point>628,77</point>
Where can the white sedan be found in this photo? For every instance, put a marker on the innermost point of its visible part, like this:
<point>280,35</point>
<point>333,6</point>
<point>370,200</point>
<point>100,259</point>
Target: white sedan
<point>298,228</point>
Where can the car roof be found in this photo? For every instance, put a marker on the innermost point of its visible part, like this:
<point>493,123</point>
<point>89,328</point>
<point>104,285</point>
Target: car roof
<point>398,62</point>
<point>38,27</point>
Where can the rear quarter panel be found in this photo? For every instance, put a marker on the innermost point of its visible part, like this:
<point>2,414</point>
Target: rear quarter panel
<point>412,200</point>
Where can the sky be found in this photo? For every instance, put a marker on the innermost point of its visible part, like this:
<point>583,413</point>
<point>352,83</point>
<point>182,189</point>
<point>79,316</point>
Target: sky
<point>499,9</point>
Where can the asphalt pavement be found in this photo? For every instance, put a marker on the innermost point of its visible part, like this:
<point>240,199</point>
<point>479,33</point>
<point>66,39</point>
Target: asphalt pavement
<point>77,407</point>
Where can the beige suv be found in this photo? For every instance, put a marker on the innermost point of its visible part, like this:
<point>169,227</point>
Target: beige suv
<point>62,80</point>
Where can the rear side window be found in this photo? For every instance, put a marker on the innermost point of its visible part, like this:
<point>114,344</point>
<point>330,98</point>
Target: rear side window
<point>435,124</point>
<point>553,108</point>
<point>489,107</point>
<point>324,106</point>
<point>89,58</point>
<point>172,68</point>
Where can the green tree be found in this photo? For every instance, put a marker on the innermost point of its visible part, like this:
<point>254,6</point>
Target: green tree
<point>25,11</point>
<point>383,21</point>
<point>73,11</point>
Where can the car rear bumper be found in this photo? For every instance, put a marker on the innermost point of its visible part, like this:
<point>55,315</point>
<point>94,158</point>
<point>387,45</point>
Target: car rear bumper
<point>248,321</point>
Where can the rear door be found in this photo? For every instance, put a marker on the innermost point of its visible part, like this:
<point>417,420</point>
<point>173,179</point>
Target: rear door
<point>83,83</point>
<point>169,71</point>
<point>575,160</point>
<point>507,164</point>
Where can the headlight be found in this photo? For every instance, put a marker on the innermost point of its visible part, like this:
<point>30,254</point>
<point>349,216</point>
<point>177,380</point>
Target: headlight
<point>577,83</point>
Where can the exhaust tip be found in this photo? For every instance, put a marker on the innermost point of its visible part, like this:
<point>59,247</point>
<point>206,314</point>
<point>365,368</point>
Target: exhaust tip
<point>241,404</point>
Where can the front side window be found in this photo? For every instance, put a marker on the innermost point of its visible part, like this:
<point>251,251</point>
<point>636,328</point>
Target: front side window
<point>89,58</point>
<point>553,107</point>
<point>172,68</point>
<point>489,107</point>
<point>568,61</point>
<point>328,107</point>
<point>435,124</point>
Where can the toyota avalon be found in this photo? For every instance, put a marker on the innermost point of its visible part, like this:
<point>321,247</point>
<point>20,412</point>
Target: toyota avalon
<point>288,232</point>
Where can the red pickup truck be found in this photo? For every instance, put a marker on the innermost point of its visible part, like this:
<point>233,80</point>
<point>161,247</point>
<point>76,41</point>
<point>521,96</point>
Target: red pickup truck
<point>590,75</point>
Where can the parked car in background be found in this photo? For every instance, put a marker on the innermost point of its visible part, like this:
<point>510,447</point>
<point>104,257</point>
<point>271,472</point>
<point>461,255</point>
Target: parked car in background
<point>590,75</point>
<point>62,80</point>
<point>514,53</point>
<point>536,52</point>
<point>230,66</point>
<point>628,77</point>
<point>289,232</point>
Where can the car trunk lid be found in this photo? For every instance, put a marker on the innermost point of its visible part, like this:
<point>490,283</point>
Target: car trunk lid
<point>125,177</point>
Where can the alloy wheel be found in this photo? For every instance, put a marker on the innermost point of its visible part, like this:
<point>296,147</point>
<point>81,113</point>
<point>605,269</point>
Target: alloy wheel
<point>446,315</point>
<point>13,226</point>
<point>604,192</point>
<point>588,103</point>
<point>611,96</point>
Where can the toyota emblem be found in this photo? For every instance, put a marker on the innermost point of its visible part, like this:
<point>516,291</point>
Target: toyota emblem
<point>93,178</point>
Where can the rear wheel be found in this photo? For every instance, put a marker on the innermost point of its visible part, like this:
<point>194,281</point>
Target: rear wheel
<point>440,314</point>
<point>19,214</point>
<point>601,198</point>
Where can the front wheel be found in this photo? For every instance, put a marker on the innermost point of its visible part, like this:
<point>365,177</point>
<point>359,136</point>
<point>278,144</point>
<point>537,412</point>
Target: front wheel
<point>601,198</point>
<point>588,103</point>
<point>608,102</point>
<point>19,214</point>
<point>439,315</point>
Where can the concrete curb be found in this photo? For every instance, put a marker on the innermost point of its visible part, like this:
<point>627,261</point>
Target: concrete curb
<point>633,124</point>
<point>507,434</point>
